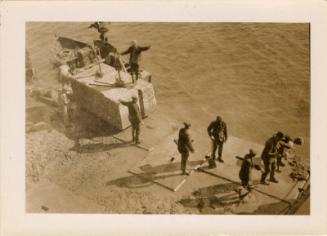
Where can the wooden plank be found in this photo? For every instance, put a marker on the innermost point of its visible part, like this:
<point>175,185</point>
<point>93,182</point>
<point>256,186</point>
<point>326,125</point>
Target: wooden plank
<point>238,183</point>
<point>160,165</point>
<point>190,173</point>
<point>173,188</point>
<point>149,179</point>
<point>229,170</point>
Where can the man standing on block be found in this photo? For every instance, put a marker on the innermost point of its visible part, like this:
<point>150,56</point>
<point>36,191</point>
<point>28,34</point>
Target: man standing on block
<point>135,52</point>
<point>269,156</point>
<point>134,116</point>
<point>184,146</point>
<point>217,131</point>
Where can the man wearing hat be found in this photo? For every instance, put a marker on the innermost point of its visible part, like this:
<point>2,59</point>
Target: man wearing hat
<point>245,171</point>
<point>134,116</point>
<point>217,131</point>
<point>135,52</point>
<point>285,144</point>
<point>268,156</point>
<point>184,146</point>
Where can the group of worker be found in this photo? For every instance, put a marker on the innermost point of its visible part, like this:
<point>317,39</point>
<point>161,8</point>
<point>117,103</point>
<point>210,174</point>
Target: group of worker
<point>272,154</point>
<point>217,131</point>
<point>66,74</point>
<point>274,151</point>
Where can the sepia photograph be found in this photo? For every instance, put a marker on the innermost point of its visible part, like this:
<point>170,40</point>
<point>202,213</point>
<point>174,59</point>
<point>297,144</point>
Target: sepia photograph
<point>167,118</point>
<point>164,118</point>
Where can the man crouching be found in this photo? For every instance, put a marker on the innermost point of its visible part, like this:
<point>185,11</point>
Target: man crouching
<point>245,171</point>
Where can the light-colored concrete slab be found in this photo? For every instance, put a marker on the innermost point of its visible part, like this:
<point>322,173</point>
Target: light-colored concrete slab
<point>162,165</point>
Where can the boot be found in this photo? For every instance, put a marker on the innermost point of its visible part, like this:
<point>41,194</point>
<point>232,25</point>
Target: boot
<point>264,182</point>
<point>220,160</point>
<point>273,180</point>
<point>185,172</point>
<point>212,163</point>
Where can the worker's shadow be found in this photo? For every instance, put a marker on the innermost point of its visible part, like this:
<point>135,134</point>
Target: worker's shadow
<point>99,147</point>
<point>149,175</point>
<point>137,181</point>
<point>166,168</point>
<point>212,197</point>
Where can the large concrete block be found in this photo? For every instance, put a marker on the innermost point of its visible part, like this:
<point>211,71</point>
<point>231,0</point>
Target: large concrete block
<point>100,96</point>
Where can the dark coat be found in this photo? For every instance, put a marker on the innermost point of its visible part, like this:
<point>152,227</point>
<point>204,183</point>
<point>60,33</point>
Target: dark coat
<point>184,141</point>
<point>135,53</point>
<point>218,130</point>
<point>134,114</point>
<point>245,170</point>
<point>270,149</point>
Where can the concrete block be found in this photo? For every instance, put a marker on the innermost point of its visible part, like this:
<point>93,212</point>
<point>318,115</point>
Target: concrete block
<point>100,97</point>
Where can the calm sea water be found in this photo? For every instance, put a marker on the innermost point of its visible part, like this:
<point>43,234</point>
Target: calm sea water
<point>256,76</point>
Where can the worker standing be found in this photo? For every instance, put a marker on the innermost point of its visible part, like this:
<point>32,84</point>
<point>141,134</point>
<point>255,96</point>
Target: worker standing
<point>134,116</point>
<point>268,156</point>
<point>135,52</point>
<point>184,146</point>
<point>217,131</point>
<point>65,93</point>
<point>245,171</point>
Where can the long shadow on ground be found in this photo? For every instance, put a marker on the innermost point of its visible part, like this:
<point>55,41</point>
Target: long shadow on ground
<point>150,175</point>
<point>99,147</point>
<point>165,168</point>
<point>207,199</point>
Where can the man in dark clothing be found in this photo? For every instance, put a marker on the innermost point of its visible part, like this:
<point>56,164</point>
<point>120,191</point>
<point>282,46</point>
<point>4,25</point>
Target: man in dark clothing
<point>245,171</point>
<point>135,51</point>
<point>134,116</point>
<point>105,47</point>
<point>184,146</point>
<point>217,131</point>
<point>268,156</point>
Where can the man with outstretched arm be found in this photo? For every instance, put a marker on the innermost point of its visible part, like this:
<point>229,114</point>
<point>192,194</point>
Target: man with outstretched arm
<point>135,52</point>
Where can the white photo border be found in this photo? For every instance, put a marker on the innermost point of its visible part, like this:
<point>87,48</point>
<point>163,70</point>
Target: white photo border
<point>13,17</point>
